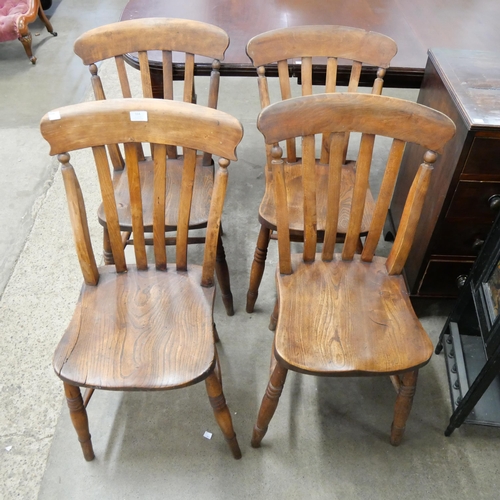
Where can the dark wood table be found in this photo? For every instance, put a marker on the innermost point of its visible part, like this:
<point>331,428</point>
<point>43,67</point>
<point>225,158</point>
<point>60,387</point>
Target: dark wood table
<point>415,25</point>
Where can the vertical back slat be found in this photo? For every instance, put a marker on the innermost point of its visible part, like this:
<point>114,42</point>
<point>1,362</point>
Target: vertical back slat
<point>352,87</point>
<point>213,226</point>
<point>336,147</point>
<point>134,185</point>
<point>168,75</point>
<point>213,96</point>
<point>186,196</point>
<point>109,204</point>
<point>168,89</point>
<point>114,150</point>
<point>123,77</point>
<point>306,75</point>
<point>309,185</point>
<point>330,88</point>
<point>159,193</point>
<point>147,89</point>
<point>282,218</point>
<point>188,78</point>
<point>78,217</point>
<point>359,196</point>
<point>384,199</point>
<point>355,75</point>
<point>127,94</point>
<point>286,93</point>
<point>410,217</point>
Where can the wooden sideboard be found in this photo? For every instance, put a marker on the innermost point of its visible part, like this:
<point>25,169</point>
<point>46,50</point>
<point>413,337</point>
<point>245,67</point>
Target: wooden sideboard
<point>465,188</point>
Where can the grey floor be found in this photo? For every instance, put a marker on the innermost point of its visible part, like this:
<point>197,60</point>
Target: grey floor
<point>328,439</point>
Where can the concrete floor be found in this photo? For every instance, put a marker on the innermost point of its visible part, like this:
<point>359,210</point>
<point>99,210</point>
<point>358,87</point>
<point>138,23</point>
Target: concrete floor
<point>329,437</point>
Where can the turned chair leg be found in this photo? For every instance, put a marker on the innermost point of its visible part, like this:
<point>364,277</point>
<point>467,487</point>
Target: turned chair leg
<point>221,411</point>
<point>45,20</point>
<point>79,418</point>
<point>106,248</point>
<point>269,403</point>
<point>404,400</point>
<point>222,272</point>
<point>258,265</point>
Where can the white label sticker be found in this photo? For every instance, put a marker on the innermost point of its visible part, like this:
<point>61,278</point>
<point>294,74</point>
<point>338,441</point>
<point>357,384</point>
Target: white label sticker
<point>207,435</point>
<point>54,115</point>
<point>138,116</point>
<point>478,120</point>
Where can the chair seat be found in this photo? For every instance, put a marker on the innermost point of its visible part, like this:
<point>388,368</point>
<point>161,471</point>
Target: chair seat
<point>347,318</point>
<point>139,330</point>
<point>295,197</point>
<point>203,186</point>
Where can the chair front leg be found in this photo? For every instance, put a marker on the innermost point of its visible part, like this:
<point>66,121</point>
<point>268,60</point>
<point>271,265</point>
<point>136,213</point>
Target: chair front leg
<point>106,248</point>
<point>404,400</point>
<point>222,272</point>
<point>269,402</point>
<point>221,411</point>
<point>79,418</point>
<point>258,265</point>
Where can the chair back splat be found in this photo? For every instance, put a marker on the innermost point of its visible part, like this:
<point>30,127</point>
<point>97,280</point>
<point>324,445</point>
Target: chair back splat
<point>335,116</point>
<point>132,40</point>
<point>95,124</point>
<point>303,43</point>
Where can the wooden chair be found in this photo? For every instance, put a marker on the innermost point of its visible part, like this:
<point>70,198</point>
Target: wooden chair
<point>15,18</point>
<point>345,314</point>
<point>303,43</point>
<point>166,35</point>
<point>140,326</point>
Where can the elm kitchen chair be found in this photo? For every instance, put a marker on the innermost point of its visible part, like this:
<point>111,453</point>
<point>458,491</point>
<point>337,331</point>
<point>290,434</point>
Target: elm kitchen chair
<point>348,314</point>
<point>141,326</point>
<point>133,39</point>
<point>303,43</point>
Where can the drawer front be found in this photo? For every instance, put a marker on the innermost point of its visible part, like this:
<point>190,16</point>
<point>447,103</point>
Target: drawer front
<point>475,200</point>
<point>459,238</point>
<point>441,278</point>
<point>483,157</point>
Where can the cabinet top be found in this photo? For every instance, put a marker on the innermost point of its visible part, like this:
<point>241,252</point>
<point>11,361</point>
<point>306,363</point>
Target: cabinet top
<point>472,78</point>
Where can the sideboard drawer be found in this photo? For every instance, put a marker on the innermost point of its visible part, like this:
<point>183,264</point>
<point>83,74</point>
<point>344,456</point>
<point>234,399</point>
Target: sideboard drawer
<point>475,200</point>
<point>441,278</point>
<point>460,238</point>
<point>483,157</point>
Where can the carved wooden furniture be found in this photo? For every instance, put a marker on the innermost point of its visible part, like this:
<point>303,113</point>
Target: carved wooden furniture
<point>167,36</point>
<point>471,342</point>
<point>142,326</point>
<point>343,314</point>
<point>15,16</point>
<point>303,43</point>
<point>415,26</point>
<point>462,204</point>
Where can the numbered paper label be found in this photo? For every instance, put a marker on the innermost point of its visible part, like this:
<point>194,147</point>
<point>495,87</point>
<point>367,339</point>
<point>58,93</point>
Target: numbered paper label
<point>138,116</point>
